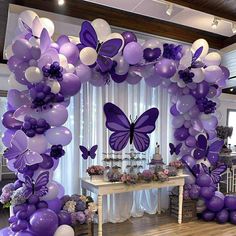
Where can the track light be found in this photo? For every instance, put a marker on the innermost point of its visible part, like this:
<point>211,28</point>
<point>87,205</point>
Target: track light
<point>169,10</point>
<point>231,90</point>
<point>233,27</point>
<point>215,23</point>
<point>61,2</point>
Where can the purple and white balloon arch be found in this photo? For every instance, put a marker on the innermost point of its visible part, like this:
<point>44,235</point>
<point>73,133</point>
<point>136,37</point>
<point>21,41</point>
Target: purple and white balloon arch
<point>46,73</point>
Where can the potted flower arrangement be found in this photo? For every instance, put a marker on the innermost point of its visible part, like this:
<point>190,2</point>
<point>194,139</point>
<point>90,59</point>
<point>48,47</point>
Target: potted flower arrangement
<point>163,175</point>
<point>129,178</point>
<point>178,165</point>
<point>147,176</point>
<point>96,172</point>
<point>114,175</point>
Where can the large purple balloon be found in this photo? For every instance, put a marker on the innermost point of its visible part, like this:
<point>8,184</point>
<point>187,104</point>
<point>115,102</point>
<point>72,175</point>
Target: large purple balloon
<point>233,217</point>
<point>185,103</point>
<point>208,215</point>
<point>9,122</point>
<point>70,51</point>
<point>153,80</point>
<point>129,37</point>
<point>21,49</point>
<point>13,63</point>
<point>54,205</point>
<point>174,111</point>
<point>7,136</point>
<point>44,222</point>
<point>201,90</point>
<point>181,133</point>
<point>190,141</point>
<point>194,193</point>
<point>20,73</point>
<point>215,204</point>
<point>84,73</point>
<point>225,71</point>
<point>178,121</point>
<point>47,162</point>
<point>206,193</point>
<point>70,85</point>
<point>203,180</point>
<point>133,53</point>
<point>230,202</point>
<point>222,216</point>
<point>165,68</point>
<point>188,160</point>
<point>6,232</point>
<point>64,218</point>
<point>209,122</point>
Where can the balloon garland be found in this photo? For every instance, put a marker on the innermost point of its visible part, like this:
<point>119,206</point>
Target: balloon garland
<point>46,73</point>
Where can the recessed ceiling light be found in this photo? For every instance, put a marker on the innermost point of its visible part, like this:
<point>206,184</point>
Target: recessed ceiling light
<point>61,2</point>
<point>215,23</point>
<point>231,90</point>
<point>169,10</point>
<point>233,27</point>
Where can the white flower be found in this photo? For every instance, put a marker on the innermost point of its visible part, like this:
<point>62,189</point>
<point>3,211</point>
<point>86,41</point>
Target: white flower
<point>70,206</point>
<point>92,207</point>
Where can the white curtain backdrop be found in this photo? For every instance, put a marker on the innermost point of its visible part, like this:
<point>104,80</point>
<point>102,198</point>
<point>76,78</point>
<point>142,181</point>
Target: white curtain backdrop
<point>87,123</point>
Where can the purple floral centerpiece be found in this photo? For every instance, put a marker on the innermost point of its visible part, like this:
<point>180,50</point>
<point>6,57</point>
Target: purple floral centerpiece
<point>95,170</point>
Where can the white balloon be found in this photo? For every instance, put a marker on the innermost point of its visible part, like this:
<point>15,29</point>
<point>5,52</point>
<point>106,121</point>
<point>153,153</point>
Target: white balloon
<point>212,59</point>
<point>88,56</point>
<point>63,230</point>
<point>63,61</point>
<point>34,41</point>
<point>74,40</point>
<point>13,83</point>
<point>198,75</point>
<point>116,36</point>
<point>102,29</point>
<point>8,52</point>
<point>27,17</point>
<point>70,69</point>
<point>33,74</point>
<point>54,85</point>
<point>48,25</point>
<point>38,143</point>
<point>201,43</point>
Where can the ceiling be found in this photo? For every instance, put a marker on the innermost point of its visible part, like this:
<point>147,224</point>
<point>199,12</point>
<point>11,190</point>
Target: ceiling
<point>198,14</point>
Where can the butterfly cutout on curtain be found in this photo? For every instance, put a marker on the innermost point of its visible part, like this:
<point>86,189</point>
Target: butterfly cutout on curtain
<point>37,187</point>
<point>124,131</point>
<point>195,63</point>
<point>105,50</point>
<point>210,152</point>
<point>21,153</point>
<point>88,153</point>
<point>175,149</point>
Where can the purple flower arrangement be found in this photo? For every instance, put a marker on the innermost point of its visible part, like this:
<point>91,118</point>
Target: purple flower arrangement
<point>172,51</point>
<point>129,178</point>
<point>177,164</point>
<point>81,208</point>
<point>147,176</point>
<point>95,170</point>
<point>206,106</point>
<point>186,75</point>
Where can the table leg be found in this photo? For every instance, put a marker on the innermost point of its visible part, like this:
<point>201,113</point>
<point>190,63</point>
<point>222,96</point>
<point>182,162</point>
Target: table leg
<point>181,189</point>
<point>84,192</point>
<point>100,220</point>
<point>159,201</point>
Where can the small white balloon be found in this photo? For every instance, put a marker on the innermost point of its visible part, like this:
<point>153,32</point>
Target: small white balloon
<point>116,36</point>
<point>198,75</point>
<point>88,56</point>
<point>14,84</point>
<point>8,52</point>
<point>54,85</point>
<point>63,61</point>
<point>27,17</point>
<point>33,74</point>
<point>212,59</point>
<point>34,42</point>
<point>48,25</point>
<point>70,68</point>
<point>201,43</point>
<point>102,29</point>
<point>63,230</point>
<point>75,40</point>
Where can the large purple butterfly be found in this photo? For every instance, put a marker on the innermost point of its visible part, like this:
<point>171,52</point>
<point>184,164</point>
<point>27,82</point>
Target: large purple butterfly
<point>175,149</point>
<point>37,187</point>
<point>88,153</point>
<point>124,131</point>
<point>196,55</point>
<point>210,152</point>
<point>20,152</point>
<point>105,50</point>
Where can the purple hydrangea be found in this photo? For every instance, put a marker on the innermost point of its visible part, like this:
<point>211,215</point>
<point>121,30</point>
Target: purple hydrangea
<point>53,71</point>
<point>186,75</point>
<point>80,205</point>
<point>206,106</point>
<point>80,216</point>
<point>172,51</point>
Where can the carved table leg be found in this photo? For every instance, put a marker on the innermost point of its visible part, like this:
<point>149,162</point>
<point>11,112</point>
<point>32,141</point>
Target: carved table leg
<point>159,201</point>
<point>181,189</point>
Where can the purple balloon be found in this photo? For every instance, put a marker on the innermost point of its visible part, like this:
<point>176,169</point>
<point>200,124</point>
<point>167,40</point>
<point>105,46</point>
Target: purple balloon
<point>17,99</point>
<point>212,92</point>
<point>209,123</point>
<point>9,122</point>
<point>25,233</point>
<point>201,90</point>
<point>21,49</point>
<point>44,222</point>
<point>194,112</point>
<point>174,111</point>
<point>194,193</point>
<point>181,133</point>
<point>233,217</point>
<point>70,51</point>
<point>97,79</point>
<point>230,202</point>
<point>70,85</point>
<point>35,53</point>
<point>13,63</point>
<point>83,72</point>
<point>64,218</point>
<point>203,180</point>
<point>185,103</point>
<point>207,193</point>
<point>6,232</point>
<point>173,88</point>
<point>165,68</point>
<point>129,37</point>
<point>7,137</point>
<point>177,121</point>
<point>190,141</point>
<point>54,205</point>
<point>62,40</point>
<point>215,204</point>
<point>133,53</point>
<point>208,215</point>
<point>225,72</point>
<point>153,80</point>
<point>133,78</point>
<point>47,162</point>
<point>20,73</point>
<point>118,78</point>
<point>150,54</point>
<point>188,160</point>
<point>222,216</point>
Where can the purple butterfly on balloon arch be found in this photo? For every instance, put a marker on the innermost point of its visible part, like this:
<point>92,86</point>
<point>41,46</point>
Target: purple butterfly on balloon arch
<point>124,131</point>
<point>88,153</point>
<point>105,50</point>
<point>20,153</point>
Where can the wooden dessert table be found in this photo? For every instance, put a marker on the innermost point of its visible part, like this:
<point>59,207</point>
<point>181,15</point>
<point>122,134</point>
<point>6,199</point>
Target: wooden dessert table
<point>104,188</point>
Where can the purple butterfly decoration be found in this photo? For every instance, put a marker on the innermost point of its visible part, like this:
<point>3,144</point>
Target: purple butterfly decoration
<point>196,55</point>
<point>174,149</point>
<point>37,187</point>
<point>20,152</point>
<point>210,152</point>
<point>88,153</point>
<point>124,131</point>
<point>105,50</point>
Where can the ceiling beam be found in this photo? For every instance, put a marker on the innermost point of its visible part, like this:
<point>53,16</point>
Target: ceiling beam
<point>115,17</point>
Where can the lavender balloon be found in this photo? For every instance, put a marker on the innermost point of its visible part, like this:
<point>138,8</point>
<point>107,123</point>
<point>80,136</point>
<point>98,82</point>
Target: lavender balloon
<point>129,37</point>
<point>165,68</point>
<point>133,53</point>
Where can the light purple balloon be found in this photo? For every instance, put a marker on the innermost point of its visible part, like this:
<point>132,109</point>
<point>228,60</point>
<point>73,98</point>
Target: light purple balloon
<point>48,57</point>
<point>192,131</point>
<point>194,112</point>
<point>13,63</point>
<point>173,88</point>
<point>133,53</point>
<point>190,141</point>
<point>70,51</point>
<point>185,103</point>
<point>186,90</point>
<point>17,99</point>
<point>174,111</point>
<point>187,124</point>
<point>209,123</point>
<point>181,133</point>
<point>165,83</point>
<point>212,73</point>
<point>225,72</point>
<point>61,191</point>
<point>59,135</point>
<point>62,40</point>
<point>56,116</point>
<point>70,85</point>
<point>21,49</point>
<point>7,137</point>
<point>35,53</point>
<point>54,205</point>
<point>38,144</point>
<point>201,90</point>
<point>177,121</point>
<point>189,160</point>
<point>165,68</point>
<point>6,232</point>
<point>212,134</point>
<point>212,92</point>
<point>84,73</point>
<point>97,79</point>
<point>20,73</point>
<point>197,125</point>
<point>153,80</point>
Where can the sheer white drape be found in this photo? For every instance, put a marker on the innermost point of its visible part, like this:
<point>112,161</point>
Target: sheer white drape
<point>87,122</point>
